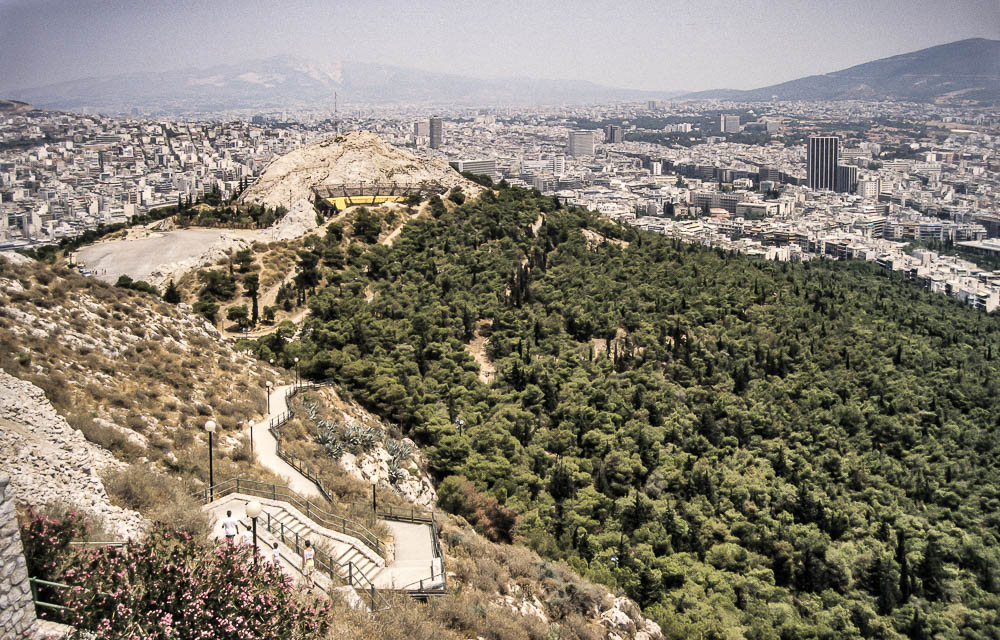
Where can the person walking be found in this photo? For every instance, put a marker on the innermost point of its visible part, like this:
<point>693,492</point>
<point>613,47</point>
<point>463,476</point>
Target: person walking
<point>308,564</point>
<point>275,555</point>
<point>229,527</point>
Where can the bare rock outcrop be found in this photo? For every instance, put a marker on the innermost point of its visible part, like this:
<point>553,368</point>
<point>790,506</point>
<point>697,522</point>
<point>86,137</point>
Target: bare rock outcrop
<point>50,462</point>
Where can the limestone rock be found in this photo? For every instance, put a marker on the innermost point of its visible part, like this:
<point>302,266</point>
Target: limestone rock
<point>50,462</point>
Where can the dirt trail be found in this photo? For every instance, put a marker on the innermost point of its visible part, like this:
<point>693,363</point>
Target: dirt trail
<point>477,349</point>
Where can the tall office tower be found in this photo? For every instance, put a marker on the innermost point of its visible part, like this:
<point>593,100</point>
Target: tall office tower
<point>581,143</point>
<point>613,134</point>
<point>847,178</point>
<point>421,129</point>
<point>729,124</point>
<point>652,105</point>
<point>821,162</point>
<point>437,132</point>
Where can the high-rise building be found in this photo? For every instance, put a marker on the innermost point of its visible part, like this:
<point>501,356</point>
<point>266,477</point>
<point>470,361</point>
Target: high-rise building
<point>421,129</point>
<point>613,134</point>
<point>652,105</point>
<point>437,132</point>
<point>729,124</point>
<point>822,155</point>
<point>581,143</point>
<point>847,178</point>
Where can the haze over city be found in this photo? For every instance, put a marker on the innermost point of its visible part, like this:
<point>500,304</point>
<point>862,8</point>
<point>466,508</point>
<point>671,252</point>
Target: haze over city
<point>668,46</point>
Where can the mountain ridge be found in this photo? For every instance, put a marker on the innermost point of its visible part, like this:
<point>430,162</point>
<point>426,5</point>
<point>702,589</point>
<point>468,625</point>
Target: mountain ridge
<point>966,69</point>
<point>286,81</point>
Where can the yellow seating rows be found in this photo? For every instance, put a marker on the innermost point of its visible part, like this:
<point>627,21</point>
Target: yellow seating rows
<point>343,202</point>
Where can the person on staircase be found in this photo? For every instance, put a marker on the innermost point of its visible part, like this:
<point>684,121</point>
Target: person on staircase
<point>229,527</point>
<point>308,564</point>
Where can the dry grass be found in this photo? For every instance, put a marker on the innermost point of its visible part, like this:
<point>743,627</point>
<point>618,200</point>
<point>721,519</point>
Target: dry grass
<point>157,496</point>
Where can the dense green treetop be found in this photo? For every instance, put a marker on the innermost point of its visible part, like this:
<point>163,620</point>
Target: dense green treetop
<point>745,447</point>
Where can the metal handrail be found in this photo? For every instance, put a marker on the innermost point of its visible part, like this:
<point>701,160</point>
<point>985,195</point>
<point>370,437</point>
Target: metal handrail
<point>34,582</point>
<point>325,562</point>
<point>311,511</point>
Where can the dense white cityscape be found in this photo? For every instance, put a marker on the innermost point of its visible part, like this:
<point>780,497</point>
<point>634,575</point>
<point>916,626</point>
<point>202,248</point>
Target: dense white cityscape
<point>912,187</point>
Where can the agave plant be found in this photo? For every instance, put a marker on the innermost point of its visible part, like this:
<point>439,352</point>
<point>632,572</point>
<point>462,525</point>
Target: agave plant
<point>395,472</point>
<point>399,450</point>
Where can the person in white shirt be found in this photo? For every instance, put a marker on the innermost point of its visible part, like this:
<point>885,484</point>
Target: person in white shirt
<point>276,556</point>
<point>229,527</point>
<point>308,564</point>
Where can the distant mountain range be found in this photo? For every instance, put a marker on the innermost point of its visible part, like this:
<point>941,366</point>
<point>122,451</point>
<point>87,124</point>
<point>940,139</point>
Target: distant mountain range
<point>286,82</point>
<point>963,70</point>
<point>13,106</point>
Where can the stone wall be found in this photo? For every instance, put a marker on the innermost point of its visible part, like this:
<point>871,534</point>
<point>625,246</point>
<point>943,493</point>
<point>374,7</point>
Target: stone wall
<point>17,611</point>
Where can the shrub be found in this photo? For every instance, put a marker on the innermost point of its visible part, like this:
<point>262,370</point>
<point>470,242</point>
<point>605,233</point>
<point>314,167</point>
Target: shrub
<point>159,497</point>
<point>457,495</point>
<point>136,587</point>
<point>104,435</point>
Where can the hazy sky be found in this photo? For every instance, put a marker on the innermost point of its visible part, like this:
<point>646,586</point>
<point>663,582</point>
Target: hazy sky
<point>656,45</point>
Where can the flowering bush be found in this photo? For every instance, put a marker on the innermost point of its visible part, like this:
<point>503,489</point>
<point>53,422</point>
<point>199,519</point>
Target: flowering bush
<point>46,540</point>
<point>167,586</point>
<point>47,549</point>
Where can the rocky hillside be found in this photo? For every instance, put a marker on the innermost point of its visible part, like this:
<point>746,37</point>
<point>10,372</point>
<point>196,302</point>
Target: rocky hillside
<point>131,375</point>
<point>50,462</point>
<point>355,157</point>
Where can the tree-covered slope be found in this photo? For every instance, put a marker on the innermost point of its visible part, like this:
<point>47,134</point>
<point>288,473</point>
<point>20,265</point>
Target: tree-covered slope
<point>748,448</point>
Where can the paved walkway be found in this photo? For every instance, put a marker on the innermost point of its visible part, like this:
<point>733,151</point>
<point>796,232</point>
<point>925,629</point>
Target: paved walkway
<point>414,560</point>
<point>266,449</point>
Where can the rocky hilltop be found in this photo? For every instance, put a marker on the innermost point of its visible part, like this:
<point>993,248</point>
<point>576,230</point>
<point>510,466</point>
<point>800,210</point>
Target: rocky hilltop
<point>355,157</point>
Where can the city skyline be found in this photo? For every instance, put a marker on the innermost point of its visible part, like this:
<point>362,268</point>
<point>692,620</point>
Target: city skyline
<point>661,48</point>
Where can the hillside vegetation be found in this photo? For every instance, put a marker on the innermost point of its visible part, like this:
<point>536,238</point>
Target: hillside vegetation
<point>140,377</point>
<point>747,448</point>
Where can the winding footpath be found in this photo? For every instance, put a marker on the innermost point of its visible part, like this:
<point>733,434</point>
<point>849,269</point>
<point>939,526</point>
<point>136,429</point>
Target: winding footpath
<point>413,560</point>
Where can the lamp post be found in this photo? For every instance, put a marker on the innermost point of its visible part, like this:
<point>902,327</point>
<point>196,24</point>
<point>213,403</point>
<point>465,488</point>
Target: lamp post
<point>461,426</point>
<point>210,428</point>
<point>296,371</point>
<point>253,511</point>
<point>269,383</point>
<point>250,422</point>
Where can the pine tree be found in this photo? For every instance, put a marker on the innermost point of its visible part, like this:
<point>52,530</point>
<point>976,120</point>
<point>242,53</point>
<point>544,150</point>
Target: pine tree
<point>171,294</point>
<point>905,581</point>
<point>931,570</point>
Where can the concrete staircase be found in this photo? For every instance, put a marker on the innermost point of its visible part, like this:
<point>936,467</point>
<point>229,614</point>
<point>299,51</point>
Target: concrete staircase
<point>353,561</point>
<point>344,554</point>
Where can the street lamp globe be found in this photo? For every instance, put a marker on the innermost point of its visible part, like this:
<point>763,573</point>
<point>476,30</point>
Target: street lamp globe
<point>210,426</point>
<point>253,509</point>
